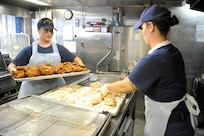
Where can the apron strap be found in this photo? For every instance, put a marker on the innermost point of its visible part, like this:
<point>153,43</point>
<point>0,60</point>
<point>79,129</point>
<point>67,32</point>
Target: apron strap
<point>193,108</point>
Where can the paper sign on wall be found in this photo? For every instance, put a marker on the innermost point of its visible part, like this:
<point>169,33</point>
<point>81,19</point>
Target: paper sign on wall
<point>200,33</point>
<point>68,32</point>
<point>70,45</point>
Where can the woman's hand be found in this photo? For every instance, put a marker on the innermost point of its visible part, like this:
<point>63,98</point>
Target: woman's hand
<point>11,67</point>
<point>79,61</point>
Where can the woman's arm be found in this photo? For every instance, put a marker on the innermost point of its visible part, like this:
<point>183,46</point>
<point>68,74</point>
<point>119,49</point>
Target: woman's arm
<point>79,61</point>
<point>122,86</point>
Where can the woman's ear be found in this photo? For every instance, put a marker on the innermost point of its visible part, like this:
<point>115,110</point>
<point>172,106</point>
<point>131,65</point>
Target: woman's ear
<point>151,26</point>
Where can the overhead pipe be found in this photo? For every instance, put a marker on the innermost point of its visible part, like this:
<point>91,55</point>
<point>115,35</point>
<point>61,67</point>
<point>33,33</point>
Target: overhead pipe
<point>82,16</point>
<point>39,13</point>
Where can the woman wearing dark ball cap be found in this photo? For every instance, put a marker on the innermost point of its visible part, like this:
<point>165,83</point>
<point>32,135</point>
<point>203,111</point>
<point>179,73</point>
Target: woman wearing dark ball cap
<point>160,75</point>
<point>41,52</point>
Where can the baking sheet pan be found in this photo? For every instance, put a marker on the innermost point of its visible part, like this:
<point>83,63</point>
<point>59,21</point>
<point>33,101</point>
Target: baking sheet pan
<point>101,107</point>
<point>52,76</point>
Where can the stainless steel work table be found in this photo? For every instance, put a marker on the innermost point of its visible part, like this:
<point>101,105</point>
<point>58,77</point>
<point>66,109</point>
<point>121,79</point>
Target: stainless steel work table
<point>115,127</point>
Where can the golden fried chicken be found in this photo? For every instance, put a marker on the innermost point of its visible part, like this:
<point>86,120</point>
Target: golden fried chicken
<point>33,71</point>
<point>46,69</point>
<point>19,72</point>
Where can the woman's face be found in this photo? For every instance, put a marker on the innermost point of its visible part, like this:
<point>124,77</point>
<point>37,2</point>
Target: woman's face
<point>45,34</point>
<point>145,32</point>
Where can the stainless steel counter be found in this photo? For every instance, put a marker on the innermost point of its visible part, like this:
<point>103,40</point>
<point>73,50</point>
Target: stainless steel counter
<point>123,123</point>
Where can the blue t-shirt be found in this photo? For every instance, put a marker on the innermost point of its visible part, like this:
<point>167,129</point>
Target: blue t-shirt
<point>24,55</point>
<point>161,74</point>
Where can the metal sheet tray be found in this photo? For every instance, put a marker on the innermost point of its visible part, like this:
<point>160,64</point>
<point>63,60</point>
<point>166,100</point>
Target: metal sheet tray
<point>52,76</point>
<point>37,116</point>
<point>101,107</point>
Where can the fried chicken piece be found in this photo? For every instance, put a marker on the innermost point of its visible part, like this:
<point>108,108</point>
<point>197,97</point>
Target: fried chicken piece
<point>67,64</point>
<point>33,71</point>
<point>68,67</point>
<point>59,68</point>
<point>46,69</point>
<point>19,72</point>
<point>24,68</point>
<point>77,67</point>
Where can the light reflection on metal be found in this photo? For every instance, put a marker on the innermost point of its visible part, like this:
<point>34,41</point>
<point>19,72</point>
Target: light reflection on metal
<point>41,3</point>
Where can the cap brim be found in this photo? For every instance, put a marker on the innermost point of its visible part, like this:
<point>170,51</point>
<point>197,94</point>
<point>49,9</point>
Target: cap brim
<point>138,25</point>
<point>48,27</point>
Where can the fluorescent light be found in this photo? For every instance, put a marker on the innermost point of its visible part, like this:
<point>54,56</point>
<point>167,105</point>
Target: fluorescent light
<point>38,2</point>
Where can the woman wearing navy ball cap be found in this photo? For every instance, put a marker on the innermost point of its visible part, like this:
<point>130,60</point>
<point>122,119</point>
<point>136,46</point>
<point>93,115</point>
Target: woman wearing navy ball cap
<point>160,75</point>
<point>40,52</point>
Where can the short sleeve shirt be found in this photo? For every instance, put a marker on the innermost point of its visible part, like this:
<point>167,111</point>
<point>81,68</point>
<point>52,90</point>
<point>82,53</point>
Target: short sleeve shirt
<point>24,55</point>
<point>161,74</point>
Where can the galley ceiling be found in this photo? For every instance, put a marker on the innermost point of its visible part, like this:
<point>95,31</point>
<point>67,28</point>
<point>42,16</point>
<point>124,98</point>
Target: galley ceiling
<point>89,3</point>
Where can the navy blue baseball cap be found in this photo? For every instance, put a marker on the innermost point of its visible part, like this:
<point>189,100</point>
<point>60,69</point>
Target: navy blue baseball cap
<point>46,23</point>
<point>154,12</point>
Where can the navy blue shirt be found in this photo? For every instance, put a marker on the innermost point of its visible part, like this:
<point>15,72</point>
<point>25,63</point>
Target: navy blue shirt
<point>24,55</point>
<point>161,74</point>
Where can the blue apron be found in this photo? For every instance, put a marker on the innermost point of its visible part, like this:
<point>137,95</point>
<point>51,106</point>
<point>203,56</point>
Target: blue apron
<point>40,86</point>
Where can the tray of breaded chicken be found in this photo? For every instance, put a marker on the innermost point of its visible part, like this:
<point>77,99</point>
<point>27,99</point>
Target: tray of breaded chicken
<point>90,97</point>
<point>48,71</point>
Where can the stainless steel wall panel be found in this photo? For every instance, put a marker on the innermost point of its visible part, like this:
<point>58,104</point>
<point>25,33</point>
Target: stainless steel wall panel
<point>183,36</point>
<point>92,47</point>
<point>127,49</point>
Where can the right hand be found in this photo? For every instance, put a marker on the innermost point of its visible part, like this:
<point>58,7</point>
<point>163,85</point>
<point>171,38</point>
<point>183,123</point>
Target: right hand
<point>12,70</point>
<point>104,90</point>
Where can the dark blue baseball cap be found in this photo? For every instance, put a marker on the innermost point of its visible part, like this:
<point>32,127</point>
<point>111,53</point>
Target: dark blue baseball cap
<point>46,23</point>
<point>154,12</point>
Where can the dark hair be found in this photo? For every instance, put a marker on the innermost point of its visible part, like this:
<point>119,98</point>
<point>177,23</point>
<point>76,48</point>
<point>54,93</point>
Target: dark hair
<point>164,25</point>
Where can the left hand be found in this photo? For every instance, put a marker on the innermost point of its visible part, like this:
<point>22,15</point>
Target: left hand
<point>79,61</point>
